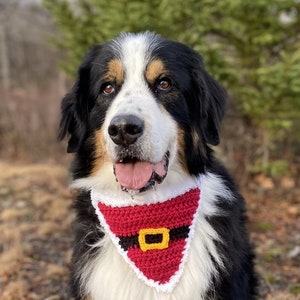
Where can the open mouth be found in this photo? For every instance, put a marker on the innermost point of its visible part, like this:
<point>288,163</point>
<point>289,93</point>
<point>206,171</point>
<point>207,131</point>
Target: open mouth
<point>138,175</point>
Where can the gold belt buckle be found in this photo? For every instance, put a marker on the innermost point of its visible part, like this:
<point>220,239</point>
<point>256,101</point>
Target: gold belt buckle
<point>145,246</point>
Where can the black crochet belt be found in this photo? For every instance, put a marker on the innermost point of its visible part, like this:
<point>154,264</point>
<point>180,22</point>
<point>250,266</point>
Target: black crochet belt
<point>127,242</point>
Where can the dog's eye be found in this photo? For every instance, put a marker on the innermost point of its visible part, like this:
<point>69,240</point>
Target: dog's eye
<point>107,88</point>
<point>164,84</point>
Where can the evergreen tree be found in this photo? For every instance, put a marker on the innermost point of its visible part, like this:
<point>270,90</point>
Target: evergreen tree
<point>252,47</point>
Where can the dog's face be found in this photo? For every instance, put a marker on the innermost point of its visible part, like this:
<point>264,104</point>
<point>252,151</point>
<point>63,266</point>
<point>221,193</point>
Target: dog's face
<point>142,112</point>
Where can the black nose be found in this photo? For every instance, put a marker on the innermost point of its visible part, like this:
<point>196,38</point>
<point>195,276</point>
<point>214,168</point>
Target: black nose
<point>125,129</point>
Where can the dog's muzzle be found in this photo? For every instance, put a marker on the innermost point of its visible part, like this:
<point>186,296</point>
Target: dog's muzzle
<point>131,170</point>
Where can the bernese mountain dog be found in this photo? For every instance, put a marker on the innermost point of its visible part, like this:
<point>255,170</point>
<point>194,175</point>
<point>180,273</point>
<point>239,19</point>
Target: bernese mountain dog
<point>157,216</point>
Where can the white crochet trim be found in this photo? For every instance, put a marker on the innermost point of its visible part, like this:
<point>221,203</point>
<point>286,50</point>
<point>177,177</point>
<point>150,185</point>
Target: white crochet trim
<point>159,194</point>
<point>170,285</point>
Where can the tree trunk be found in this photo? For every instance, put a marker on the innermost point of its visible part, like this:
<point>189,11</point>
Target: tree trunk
<point>266,149</point>
<point>4,59</point>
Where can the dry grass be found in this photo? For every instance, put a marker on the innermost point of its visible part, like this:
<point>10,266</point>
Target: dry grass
<point>35,218</point>
<point>35,244</point>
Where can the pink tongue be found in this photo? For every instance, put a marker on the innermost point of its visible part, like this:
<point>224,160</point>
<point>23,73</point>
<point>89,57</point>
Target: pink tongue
<point>134,176</point>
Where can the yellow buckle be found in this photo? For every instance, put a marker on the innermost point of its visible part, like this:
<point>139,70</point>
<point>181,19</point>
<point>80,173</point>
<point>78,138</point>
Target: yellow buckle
<point>154,246</point>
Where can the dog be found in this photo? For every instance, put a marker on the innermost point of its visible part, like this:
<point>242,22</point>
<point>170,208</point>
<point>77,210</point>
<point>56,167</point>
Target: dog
<point>157,216</point>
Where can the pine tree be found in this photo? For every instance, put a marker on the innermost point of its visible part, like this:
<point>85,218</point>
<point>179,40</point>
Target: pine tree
<point>252,47</point>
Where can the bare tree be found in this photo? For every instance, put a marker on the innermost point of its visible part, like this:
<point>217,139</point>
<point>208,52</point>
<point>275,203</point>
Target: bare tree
<point>26,57</point>
<point>4,58</point>
<point>31,85</point>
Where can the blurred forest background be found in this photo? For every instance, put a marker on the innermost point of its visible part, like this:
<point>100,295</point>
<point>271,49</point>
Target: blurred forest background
<point>251,47</point>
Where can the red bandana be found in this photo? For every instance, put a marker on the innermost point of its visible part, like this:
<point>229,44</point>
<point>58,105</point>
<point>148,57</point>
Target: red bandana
<point>154,239</point>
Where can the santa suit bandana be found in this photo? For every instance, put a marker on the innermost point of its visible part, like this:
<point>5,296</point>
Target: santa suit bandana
<point>154,239</point>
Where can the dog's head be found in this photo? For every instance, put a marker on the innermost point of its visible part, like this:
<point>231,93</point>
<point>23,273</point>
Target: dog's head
<point>142,110</point>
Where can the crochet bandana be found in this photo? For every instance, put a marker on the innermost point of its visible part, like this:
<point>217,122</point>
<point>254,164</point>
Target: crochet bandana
<point>154,239</point>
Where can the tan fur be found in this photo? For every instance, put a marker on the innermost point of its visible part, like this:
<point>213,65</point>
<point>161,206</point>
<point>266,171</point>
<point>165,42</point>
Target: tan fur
<point>181,147</point>
<point>100,151</point>
<point>115,72</point>
<point>154,70</point>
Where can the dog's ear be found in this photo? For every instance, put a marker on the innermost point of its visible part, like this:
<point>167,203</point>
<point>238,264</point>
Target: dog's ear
<point>211,98</point>
<point>77,103</point>
<point>70,125</point>
<point>72,122</point>
<point>215,109</point>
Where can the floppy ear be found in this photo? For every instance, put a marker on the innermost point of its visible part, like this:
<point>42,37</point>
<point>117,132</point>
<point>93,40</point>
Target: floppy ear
<point>215,97</point>
<point>74,109</point>
<point>77,103</point>
<point>70,125</point>
<point>209,102</point>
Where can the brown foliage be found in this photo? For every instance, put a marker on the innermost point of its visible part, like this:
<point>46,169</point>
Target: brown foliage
<point>35,245</point>
<point>29,122</point>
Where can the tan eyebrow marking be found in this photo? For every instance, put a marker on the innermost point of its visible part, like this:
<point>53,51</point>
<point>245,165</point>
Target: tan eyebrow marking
<point>154,69</point>
<point>115,71</point>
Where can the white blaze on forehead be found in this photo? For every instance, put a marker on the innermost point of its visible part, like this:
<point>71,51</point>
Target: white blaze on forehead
<point>135,53</point>
<point>135,49</point>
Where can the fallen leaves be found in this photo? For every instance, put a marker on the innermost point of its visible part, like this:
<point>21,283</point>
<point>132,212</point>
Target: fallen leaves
<point>35,230</point>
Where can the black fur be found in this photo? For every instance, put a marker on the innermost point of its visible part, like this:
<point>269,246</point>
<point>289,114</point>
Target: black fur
<point>197,103</point>
<point>239,280</point>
